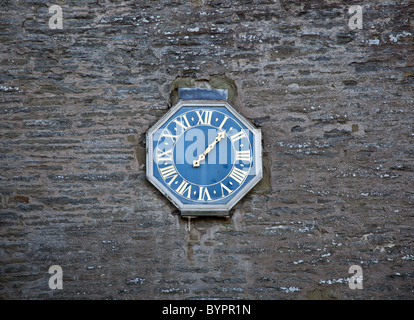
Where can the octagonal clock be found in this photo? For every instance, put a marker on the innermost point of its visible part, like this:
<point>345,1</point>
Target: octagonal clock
<point>203,155</point>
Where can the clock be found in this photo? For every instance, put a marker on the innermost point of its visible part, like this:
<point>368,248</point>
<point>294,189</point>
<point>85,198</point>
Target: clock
<point>203,155</point>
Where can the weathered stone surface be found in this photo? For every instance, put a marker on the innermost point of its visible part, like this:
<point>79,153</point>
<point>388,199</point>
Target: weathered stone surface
<point>335,107</point>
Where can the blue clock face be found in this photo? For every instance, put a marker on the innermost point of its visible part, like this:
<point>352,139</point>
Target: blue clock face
<point>203,155</point>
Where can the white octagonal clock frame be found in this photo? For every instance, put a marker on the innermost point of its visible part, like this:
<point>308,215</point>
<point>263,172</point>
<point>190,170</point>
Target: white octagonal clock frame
<point>204,209</point>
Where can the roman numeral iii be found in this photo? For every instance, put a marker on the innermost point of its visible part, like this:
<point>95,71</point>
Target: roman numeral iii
<point>243,156</point>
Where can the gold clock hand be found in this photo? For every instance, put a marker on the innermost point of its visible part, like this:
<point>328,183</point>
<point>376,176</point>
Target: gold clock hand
<point>201,157</point>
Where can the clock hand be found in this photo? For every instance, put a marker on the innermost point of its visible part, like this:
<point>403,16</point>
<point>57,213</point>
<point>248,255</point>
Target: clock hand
<point>201,157</point>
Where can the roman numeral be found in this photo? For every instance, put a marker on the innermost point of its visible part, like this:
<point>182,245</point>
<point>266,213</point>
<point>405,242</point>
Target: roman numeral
<point>225,188</point>
<point>203,192</point>
<point>223,122</point>
<point>169,173</point>
<point>168,134</point>
<point>164,156</point>
<point>184,187</point>
<point>238,175</point>
<point>182,121</point>
<point>204,117</point>
<point>243,155</point>
<point>237,136</point>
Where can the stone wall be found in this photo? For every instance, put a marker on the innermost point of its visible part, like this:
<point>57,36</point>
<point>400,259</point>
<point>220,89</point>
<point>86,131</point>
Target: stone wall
<point>335,106</point>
